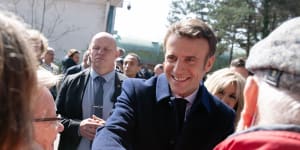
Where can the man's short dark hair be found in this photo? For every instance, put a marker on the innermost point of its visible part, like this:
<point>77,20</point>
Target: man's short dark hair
<point>193,29</point>
<point>135,56</point>
<point>238,62</point>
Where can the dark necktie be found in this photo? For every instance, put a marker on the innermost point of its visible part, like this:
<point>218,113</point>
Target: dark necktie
<point>180,106</point>
<point>98,99</point>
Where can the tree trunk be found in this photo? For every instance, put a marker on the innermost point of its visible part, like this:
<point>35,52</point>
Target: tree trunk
<point>266,18</point>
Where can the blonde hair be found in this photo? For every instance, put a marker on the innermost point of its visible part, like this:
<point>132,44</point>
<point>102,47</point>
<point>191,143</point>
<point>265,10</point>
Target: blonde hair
<point>72,52</point>
<point>48,79</point>
<point>222,78</point>
<point>36,35</point>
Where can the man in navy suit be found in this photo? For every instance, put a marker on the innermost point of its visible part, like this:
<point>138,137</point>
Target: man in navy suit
<point>146,113</point>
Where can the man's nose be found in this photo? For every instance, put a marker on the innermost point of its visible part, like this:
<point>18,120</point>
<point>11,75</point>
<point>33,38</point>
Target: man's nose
<point>100,51</point>
<point>126,65</point>
<point>60,127</point>
<point>178,66</point>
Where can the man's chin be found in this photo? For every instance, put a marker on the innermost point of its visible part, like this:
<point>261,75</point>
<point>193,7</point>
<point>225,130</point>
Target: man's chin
<point>177,91</point>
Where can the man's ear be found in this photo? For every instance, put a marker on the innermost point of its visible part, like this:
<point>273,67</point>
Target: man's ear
<point>209,64</point>
<point>250,100</point>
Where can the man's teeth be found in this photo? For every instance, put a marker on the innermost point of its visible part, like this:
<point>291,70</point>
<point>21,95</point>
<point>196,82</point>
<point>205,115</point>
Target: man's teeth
<point>179,79</point>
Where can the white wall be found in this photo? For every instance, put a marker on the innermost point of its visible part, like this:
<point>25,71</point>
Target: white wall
<point>78,19</point>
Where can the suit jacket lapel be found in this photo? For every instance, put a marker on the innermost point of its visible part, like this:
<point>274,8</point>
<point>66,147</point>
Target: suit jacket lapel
<point>162,88</point>
<point>118,86</point>
<point>85,75</point>
<point>201,101</point>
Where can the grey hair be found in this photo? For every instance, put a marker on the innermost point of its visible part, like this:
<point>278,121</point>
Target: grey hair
<point>278,105</point>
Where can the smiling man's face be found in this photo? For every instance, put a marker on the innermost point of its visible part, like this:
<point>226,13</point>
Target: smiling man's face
<point>185,63</point>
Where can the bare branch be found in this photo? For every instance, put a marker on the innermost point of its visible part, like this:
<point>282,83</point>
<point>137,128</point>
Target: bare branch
<point>15,3</point>
<point>32,12</point>
<point>67,31</point>
<point>46,16</point>
<point>43,15</point>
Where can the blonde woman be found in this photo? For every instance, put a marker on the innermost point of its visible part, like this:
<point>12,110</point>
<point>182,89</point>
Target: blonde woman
<point>228,86</point>
<point>38,42</point>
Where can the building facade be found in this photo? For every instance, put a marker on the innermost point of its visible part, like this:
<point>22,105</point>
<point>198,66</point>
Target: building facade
<point>66,23</point>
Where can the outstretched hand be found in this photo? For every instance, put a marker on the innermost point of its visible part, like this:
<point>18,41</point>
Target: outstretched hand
<point>89,126</point>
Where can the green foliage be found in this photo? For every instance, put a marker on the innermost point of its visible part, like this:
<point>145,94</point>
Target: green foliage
<point>229,20</point>
<point>181,9</point>
<point>239,24</point>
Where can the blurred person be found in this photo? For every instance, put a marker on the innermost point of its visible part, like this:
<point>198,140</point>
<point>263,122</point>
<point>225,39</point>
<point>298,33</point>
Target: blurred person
<point>238,65</point>
<point>144,72</point>
<point>78,99</point>
<point>119,64</point>
<point>39,43</point>
<point>173,110</point>
<point>46,123</point>
<point>84,64</point>
<point>47,64</point>
<point>119,61</point>
<point>121,52</point>
<point>40,46</point>
<point>228,86</point>
<point>47,78</point>
<point>17,86</point>
<point>158,69</point>
<point>48,59</point>
<point>132,65</point>
<point>71,59</point>
<point>271,115</point>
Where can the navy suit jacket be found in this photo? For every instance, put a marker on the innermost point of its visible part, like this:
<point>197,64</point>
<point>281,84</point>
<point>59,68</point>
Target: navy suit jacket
<point>74,69</point>
<point>68,102</point>
<point>67,62</point>
<point>142,120</point>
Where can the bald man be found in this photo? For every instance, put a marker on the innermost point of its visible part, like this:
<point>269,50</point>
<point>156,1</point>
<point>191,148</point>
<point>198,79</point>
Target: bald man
<point>78,101</point>
<point>46,123</point>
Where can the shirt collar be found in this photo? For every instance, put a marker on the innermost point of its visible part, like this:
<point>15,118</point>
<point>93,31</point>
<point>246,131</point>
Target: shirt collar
<point>163,91</point>
<point>109,76</point>
<point>189,98</point>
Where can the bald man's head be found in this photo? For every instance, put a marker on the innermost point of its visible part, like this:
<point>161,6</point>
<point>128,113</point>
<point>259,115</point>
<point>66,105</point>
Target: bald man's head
<point>106,35</point>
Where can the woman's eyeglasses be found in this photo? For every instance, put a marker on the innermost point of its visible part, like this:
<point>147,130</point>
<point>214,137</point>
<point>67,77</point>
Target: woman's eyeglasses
<point>53,120</point>
<point>47,119</point>
<point>57,118</point>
